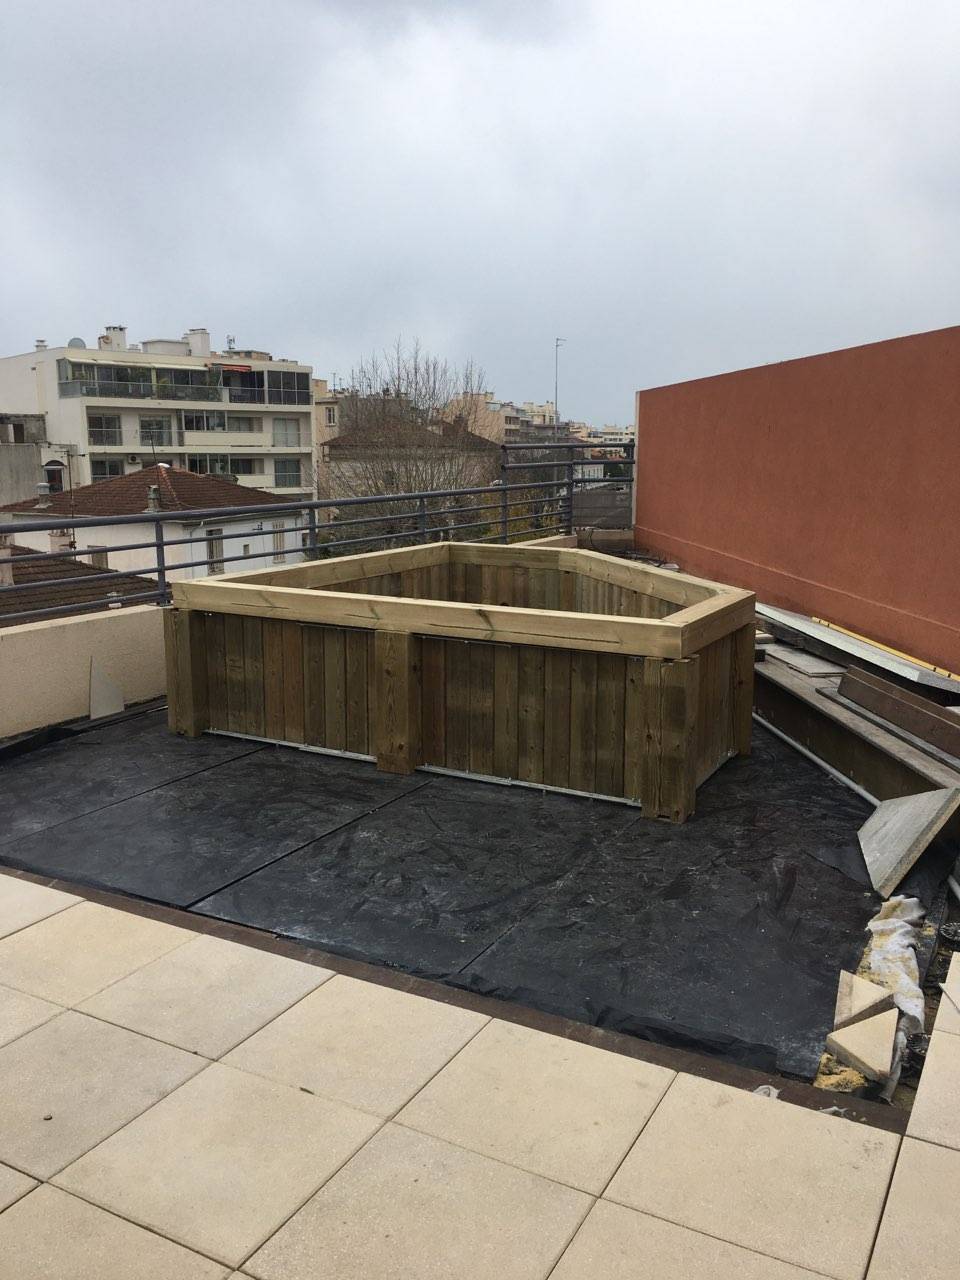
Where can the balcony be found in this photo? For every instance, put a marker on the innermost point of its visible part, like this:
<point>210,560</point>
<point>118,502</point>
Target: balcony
<point>141,391</point>
<point>246,395</point>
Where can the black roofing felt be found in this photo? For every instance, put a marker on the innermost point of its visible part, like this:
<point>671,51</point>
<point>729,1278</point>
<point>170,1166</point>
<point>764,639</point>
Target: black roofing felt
<point>725,934</point>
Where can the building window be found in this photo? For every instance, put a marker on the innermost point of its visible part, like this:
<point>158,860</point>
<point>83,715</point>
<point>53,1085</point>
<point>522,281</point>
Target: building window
<point>286,432</point>
<point>211,420</point>
<point>98,557</point>
<point>279,541</point>
<point>222,464</point>
<point>214,550</point>
<point>331,415</point>
<point>286,473</point>
<point>244,422</point>
<point>104,429</point>
<point>158,430</point>
<point>53,475</point>
<point>105,468</point>
<point>287,388</point>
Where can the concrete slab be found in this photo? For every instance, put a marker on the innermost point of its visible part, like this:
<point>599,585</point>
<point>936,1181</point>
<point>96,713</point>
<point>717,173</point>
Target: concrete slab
<point>616,1243</point>
<point>74,1081</point>
<point>69,956</point>
<point>23,903</point>
<point>20,1013</point>
<point>867,1045</point>
<point>13,1185</point>
<point>565,1110</point>
<point>858,999</point>
<point>898,832</point>
<point>368,1046</point>
<point>53,1236</point>
<point>920,1231</point>
<point>221,1163</point>
<point>948,1015</point>
<point>936,1111</point>
<point>759,1173</point>
<point>207,995</point>
<point>409,1205</point>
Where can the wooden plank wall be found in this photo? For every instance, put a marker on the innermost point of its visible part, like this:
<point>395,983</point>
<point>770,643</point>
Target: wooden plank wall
<point>289,681</point>
<point>519,588</point>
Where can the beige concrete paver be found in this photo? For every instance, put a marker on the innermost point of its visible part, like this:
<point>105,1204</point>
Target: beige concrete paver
<point>920,1231</point>
<point>72,1082</point>
<point>772,1177</point>
<point>410,1205</point>
<point>221,1163</point>
<point>13,1185</point>
<point>616,1243</point>
<point>20,1013</point>
<point>22,903</point>
<point>206,996</point>
<point>555,1107</point>
<point>366,1045</point>
<point>936,1111</point>
<point>69,956</point>
<point>52,1236</point>
<point>948,1015</point>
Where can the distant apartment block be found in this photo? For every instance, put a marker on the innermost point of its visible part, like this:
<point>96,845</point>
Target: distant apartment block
<point>115,408</point>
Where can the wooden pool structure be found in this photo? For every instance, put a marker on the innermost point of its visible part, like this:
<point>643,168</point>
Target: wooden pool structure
<point>552,666</point>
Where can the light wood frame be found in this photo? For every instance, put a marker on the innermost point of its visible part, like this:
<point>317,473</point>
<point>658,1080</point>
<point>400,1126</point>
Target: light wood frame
<point>510,685</point>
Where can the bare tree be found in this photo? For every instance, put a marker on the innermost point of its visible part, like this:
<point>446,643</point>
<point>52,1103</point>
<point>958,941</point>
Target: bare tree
<point>411,422</point>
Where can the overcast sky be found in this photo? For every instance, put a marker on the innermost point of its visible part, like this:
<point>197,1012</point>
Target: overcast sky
<point>676,188</point>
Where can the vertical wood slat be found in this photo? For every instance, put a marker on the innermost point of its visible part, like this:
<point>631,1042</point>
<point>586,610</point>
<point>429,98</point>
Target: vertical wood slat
<point>356,682</point>
<point>530,713</point>
<point>458,704</point>
<point>583,720</point>
<point>314,725</point>
<point>293,717</point>
<point>742,677</point>
<point>434,685</point>
<point>611,695</point>
<point>253,676</point>
<point>216,672</point>
<point>335,688</point>
<point>273,678</point>
<point>556,732</point>
<point>233,666</point>
<point>505,711</point>
<point>396,717</point>
<point>185,652</point>
<point>481,708</point>
<point>678,720</point>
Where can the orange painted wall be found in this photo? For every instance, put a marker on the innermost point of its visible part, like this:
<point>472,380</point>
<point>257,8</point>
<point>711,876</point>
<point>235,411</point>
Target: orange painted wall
<point>828,485</point>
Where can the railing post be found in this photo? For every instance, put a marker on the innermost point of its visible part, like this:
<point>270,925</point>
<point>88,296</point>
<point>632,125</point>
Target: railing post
<point>504,526</point>
<point>569,521</point>
<point>312,535</point>
<point>161,563</point>
<point>504,455</point>
<point>422,517</point>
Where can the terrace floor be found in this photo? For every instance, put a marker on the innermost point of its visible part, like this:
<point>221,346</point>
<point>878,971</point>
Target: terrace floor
<point>724,935</point>
<point>175,1105</point>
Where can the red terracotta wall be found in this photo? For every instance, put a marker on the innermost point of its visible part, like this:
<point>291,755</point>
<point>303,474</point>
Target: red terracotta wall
<point>828,485</point>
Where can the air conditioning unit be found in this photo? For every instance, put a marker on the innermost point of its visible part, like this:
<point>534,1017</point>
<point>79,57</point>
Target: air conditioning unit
<point>133,457</point>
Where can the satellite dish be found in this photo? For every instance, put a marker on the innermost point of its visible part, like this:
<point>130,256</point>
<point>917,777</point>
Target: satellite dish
<point>77,344</point>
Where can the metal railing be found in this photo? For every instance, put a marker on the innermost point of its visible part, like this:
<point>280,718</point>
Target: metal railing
<point>505,511</point>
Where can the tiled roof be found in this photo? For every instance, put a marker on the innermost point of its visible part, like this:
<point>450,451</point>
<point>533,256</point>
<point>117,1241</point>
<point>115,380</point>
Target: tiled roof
<point>40,595</point>
<point>127,495</point>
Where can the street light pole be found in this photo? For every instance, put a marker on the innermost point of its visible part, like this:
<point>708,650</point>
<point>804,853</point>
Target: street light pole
<point>557,344</point>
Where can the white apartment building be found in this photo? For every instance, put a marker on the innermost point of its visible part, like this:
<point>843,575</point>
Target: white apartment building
<point>116,408</point>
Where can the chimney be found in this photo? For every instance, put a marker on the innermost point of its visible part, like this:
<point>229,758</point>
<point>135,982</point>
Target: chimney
<point>153,498</point>
<point>198,342</point>
<point>40,344</point>
<point>43,494</point>
<point>6,561</point>
<point>61,540</point>
<point>114,339</point>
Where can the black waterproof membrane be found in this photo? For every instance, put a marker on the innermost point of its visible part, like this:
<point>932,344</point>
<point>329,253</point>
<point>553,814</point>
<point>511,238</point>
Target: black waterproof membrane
<point>725,934</point>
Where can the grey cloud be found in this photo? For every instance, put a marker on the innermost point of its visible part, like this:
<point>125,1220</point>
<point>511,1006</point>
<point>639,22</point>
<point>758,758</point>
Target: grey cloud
<point>676,189</point>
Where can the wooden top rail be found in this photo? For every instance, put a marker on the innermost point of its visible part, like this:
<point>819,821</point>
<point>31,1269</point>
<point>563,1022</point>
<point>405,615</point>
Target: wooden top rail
<point>308,593</point>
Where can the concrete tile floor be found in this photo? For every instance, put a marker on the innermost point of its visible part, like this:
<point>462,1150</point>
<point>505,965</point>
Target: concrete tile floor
<point>363,1131</point>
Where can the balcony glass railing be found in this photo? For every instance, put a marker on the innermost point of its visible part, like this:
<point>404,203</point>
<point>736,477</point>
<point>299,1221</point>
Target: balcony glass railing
<point>140,391</point>
<point>281,396</point>
<point>100,436</point>
<point>246,395</point>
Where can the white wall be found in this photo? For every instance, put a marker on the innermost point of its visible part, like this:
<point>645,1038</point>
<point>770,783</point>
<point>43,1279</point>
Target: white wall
<point>45,666</point>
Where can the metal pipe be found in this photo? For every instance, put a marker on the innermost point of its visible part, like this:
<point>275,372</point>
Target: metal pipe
<point>827,768</point>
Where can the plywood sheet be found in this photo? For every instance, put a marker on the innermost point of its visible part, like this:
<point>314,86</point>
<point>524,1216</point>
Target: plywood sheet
<point>899,830</point>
